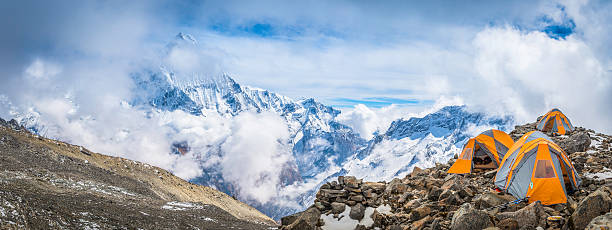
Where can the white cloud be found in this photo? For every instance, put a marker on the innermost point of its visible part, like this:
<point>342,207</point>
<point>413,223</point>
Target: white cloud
<point>41,70</point>
<point>255,154</point>
<point>366,121</point>
<point>528,73</point>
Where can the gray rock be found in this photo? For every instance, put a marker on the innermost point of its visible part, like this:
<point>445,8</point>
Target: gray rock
<point>351,182</point>
<point>287,220</point>
<point>307,220</point>
<point>375,186</point>
<point>594,205</point>
<point>434,194</point>
<point>490,199</point>
<point>469,218</point>
<point>528,217</point>
<point>396,186</point>
<point>357,211</point>
<point>601,222</point>
<point>357,198</point>
<point>576,142</point>
<point>337,208</point>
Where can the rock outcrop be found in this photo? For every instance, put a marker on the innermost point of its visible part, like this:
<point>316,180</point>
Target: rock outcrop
<point>432,199</point>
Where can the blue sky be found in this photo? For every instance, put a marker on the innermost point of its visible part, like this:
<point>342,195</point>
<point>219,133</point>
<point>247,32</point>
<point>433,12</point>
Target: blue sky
<point>343,53</point>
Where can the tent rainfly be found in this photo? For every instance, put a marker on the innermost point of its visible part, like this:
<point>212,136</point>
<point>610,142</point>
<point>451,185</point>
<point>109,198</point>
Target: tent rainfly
<point>538,169</point>
<point>484,151</point>
<point>556,122</point>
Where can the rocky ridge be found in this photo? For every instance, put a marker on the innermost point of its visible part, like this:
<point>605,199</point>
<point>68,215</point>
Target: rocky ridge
<point>432,199</point>
<point>47,184</point>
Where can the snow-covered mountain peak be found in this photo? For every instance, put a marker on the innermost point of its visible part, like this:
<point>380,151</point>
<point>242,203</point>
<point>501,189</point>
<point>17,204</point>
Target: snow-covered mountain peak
<point>186,37</point>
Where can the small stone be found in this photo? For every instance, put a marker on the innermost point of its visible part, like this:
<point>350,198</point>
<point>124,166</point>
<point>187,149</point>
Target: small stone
<point>420,224</point>
<point>469,218</point>
<point>357,211</point>
<point>338,208</point>
<point>375,186</point>
<point>357,198</point>
<point>319,206</point>
<point>351,182</point>
<point>420,212</point>
<point>434,194</point>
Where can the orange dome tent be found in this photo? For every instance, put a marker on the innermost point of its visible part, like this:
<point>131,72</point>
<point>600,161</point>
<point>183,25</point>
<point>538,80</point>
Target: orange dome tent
<point>484,151</point>
<point>556,122</point>
<point>537,168</point>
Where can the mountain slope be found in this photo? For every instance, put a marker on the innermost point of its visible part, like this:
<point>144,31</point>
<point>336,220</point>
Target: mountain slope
<point>51,184</point>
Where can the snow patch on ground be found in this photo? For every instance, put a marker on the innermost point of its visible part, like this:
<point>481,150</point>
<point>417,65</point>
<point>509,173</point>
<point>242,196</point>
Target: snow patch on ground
<point>606,173</point>
<point>181,206</point>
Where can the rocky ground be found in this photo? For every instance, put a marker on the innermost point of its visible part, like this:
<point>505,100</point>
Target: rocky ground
<point>432,199</point>
<point>47,184</point>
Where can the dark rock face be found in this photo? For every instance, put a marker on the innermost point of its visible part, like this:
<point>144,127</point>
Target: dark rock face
<point>468,218</point>
<point>595,204</point>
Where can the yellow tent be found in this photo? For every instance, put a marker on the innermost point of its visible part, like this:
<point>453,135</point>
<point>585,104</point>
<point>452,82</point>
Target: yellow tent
<point>556,122</point>
<point>484,151</point>
<point>537,168</point>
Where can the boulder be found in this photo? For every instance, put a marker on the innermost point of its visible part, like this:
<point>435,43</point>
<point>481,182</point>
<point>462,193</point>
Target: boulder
<point>419,212</point>
<point>351,182</point>
<point>452,199</point>
<point>287,220</point>
<point>331,193</point>
<point>508,224</point>
<point>357,211</point>
<point>528,217</point>
<point>466,192</point>
<point>420,224</point>
<point>577,142</point>
<point>595,204</point>
<point>376,186</point>
<point>416,171</point>
<point>357,198</point>
<point>307,220</point>
<point>491,199</point>
<point>369,193</point>
<point>601,222</point>
<point>396,186</point>
<point>434,194</point>
<point>469,218</point>
<point>337,207</point>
